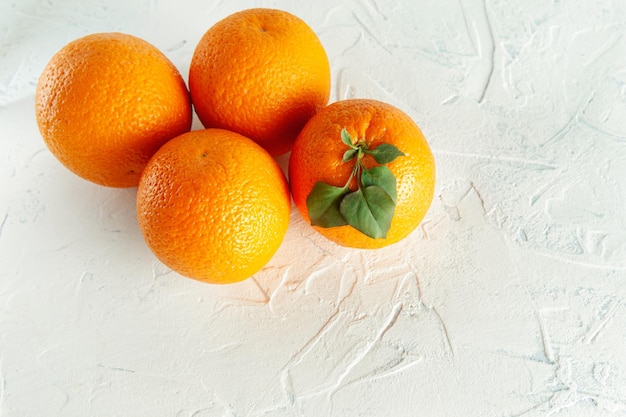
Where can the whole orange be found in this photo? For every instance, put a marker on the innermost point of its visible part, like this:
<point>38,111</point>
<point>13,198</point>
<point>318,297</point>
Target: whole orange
<point>106,102</point>
<point>262,73</point>
<point>213,205</point>
<point>318,153</point>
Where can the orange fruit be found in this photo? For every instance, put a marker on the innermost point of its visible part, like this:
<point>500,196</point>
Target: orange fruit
<point>262,73</point>
<point>213,205</point>
<point>318,152</point>
<point>106,102</point>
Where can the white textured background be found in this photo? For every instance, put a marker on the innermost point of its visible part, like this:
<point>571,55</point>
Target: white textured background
<point>509,300</point>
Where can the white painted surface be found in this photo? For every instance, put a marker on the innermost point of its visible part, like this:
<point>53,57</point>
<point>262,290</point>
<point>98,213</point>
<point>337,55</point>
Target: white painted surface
<point>510,299</point>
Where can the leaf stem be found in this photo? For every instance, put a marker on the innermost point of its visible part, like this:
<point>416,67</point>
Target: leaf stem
<point>355,172</point>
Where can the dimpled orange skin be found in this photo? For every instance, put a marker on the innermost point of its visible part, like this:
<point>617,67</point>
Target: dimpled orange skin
<point>317,156</point>
<point>262,73</point>
<point>213,206</point>
<point>106,102</point>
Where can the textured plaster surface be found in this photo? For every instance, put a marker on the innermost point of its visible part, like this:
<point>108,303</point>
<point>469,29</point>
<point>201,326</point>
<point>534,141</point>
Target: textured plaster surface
<point>509,299</point>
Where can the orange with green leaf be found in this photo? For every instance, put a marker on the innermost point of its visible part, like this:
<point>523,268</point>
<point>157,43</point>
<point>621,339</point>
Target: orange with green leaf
<point>362,173</point>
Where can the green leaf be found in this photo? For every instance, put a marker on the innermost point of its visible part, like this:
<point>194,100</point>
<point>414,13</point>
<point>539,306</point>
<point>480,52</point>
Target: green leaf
<point>349,154</point>
<point>323,204</point>
<point>385,153</point>
<point>369,210</point>
<point>382,177</point>
<point>347,139</point>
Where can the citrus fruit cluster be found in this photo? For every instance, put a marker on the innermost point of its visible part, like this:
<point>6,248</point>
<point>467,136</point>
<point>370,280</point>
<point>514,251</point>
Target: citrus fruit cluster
<point>213,204</point>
